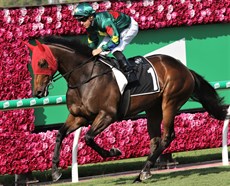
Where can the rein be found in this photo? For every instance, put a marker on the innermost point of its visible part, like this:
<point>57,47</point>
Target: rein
<point>89,79</point>
<point>59,76</point>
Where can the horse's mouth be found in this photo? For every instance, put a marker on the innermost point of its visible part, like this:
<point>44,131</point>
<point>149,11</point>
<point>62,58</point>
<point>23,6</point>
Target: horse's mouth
<point>42,93</point>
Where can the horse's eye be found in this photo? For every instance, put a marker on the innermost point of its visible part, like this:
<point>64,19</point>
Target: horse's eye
<point>43,63</point>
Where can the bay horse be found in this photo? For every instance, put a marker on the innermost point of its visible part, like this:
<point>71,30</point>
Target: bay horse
<point>93,96</point>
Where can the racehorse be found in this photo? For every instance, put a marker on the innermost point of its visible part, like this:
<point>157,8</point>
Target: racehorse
<point>93,96</point>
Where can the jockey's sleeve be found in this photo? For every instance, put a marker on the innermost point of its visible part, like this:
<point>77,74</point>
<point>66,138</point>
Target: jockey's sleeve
<point>114,35</point>
<point>93,39</point>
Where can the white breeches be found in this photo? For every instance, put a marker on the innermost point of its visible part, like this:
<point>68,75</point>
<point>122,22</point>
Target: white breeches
<point>126,37</point>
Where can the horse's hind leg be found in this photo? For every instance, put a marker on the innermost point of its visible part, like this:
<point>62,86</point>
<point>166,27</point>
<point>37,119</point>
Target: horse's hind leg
<point>157,144</point>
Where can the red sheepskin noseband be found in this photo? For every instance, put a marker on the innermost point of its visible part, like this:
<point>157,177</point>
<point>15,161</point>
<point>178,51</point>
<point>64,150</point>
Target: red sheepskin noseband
<point>42,51</point>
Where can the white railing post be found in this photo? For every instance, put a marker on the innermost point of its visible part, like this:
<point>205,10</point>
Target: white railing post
<point>74,156</point>
<point>225,140</point>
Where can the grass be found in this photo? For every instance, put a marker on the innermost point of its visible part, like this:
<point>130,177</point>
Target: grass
<point>218,176</point>
<point>133,164</point>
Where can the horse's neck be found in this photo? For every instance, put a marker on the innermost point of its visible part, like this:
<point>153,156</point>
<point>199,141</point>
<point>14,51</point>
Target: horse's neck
<point>70,65</point>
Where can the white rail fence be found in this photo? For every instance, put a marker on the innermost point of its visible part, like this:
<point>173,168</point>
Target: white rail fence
<point>225,159</point>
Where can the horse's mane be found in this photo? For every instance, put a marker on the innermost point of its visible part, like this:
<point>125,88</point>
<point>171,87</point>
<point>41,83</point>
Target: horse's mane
<point>73,43</point>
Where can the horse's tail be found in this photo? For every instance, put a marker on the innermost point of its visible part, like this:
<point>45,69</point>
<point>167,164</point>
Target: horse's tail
<point>208,97</point>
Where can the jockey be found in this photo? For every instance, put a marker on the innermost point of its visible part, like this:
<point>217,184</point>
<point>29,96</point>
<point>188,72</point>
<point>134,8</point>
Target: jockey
<point>118,30</point>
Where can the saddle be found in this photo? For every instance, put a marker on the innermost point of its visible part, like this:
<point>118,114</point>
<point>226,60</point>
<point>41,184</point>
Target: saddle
<point>134,61</point>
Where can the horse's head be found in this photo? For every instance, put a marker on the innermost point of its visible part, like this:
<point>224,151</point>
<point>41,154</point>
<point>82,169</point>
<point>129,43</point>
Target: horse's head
<point>44,66</point>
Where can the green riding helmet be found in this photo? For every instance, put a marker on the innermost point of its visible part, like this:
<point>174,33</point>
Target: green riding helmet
<point>83,10</point>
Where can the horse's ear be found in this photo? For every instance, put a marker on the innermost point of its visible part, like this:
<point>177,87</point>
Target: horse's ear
<point>31,47</point>
<point>40,45</point>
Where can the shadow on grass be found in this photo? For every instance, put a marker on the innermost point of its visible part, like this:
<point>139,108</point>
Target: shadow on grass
<point>162,178</point>
<point>186,173</point>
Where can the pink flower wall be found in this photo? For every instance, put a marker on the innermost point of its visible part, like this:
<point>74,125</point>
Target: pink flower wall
<point>22,151</point>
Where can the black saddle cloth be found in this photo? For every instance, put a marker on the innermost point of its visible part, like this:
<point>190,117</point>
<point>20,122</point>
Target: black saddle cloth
<point>145,72</point>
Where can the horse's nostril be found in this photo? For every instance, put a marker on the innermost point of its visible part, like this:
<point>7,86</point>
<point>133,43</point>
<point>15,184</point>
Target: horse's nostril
<point>38,94</point>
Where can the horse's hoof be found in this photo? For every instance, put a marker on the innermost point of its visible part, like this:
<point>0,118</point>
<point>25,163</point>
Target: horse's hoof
<point>56,175</point>
<point>145,175</point>
<point>137,180</point>
<point>114,152</point>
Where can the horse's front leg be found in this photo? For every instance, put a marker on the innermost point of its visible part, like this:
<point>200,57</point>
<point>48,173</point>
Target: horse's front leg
<point>72,124</point>
<point>101,122</point>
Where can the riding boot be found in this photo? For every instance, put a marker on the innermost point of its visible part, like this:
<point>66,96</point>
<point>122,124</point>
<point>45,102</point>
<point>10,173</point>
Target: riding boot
<point>126,67</point>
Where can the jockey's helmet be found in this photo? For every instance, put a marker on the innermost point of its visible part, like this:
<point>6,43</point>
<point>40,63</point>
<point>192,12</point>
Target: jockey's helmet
<point>83,10</point>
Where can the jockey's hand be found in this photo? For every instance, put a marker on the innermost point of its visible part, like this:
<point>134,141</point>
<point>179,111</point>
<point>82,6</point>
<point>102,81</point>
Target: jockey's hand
<point>96,51</point>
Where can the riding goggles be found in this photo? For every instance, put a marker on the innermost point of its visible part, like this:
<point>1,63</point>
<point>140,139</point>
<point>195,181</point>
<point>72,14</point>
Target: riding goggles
<point>82,18</point>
